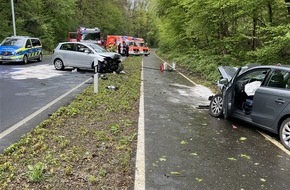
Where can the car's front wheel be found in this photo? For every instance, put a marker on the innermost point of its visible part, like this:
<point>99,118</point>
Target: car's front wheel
<point>39,59</point>
<point>216,106</point>
<point>285,133</point>
<point>25,59</point>
<point>120,67</point>
<point>58,64</point>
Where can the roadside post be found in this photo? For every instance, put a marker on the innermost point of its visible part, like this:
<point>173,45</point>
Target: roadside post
<point>173,65</point>
<point>165,66</point>
<point>96,76</point>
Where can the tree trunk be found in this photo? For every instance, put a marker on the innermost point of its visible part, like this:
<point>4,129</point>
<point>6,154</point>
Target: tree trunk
<point>254,41</point>
<point>288,6</point>
<point>270,11</point>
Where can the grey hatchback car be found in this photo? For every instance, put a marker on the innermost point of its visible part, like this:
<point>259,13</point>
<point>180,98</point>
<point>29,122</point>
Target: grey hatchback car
<point>259,95</point>
<point>85,55</point>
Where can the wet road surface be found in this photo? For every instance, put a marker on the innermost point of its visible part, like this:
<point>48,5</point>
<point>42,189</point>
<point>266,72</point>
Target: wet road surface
<point>27,89</point>
<point>186,148</point>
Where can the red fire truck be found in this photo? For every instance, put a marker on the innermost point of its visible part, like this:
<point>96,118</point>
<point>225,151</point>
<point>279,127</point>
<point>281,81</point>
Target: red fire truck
<point>86,34</point>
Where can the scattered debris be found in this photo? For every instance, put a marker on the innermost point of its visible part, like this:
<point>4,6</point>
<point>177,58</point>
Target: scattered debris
<point>243,138</point>
<point>112,87</point>
<point>203,107</point>
<point>232,159</point>
<point>175,173</point>
<point>183,142</point>
<point>199,179</point>
<point>103,77</point>
<point>234,127</point>
<point>245,156</point>
<point>262,179</point>
<point>162,159</point>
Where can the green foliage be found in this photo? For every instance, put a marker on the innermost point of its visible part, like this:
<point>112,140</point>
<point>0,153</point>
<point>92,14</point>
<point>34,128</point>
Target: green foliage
<point>201,35</point>
<point>51,20</point>
<point>36,173</point>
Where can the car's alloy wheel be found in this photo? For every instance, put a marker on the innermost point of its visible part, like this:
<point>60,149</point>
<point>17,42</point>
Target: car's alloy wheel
<point>25,59</point>
<point>285,133</point>
<point>58,64</point>
<point>216,106</point>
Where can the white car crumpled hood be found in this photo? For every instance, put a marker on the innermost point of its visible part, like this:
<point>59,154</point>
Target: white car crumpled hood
<point>110,54</point>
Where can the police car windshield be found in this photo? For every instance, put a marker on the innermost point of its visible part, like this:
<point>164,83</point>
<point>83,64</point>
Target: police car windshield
<point>97,48</point>
<point>13,42</point>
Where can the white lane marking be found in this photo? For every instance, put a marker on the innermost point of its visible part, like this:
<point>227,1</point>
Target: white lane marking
<point>278,144</point>
<point>35,71</point>
<point>20,123</point>
<point>140,154</point>
<point>275,142</point>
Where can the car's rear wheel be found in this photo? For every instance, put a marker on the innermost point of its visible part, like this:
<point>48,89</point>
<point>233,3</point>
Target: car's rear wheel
<point>216,106</point>
<point>25,59</point>
<point>58,64</point>
<point>284,133</point>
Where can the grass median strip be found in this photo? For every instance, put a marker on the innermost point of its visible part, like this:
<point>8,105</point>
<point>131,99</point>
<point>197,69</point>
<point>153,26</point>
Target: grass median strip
<point>89,144</point>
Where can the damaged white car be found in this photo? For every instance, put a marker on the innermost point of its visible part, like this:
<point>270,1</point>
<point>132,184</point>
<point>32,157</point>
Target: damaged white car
<point>259,95</point>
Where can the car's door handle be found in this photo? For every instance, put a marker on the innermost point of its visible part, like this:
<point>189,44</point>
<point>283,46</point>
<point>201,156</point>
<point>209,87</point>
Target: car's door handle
<point>280,101</point>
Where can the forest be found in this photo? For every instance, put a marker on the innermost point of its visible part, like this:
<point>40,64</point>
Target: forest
<point>198,34</point>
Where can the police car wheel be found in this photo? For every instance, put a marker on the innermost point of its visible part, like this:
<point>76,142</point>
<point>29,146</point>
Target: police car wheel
<point>25,59</point>
<point>39,59</point>
<point>58,64</point>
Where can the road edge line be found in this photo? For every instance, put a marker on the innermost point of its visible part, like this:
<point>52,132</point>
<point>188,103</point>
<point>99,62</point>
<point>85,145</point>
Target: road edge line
<point>275,142</point>
<point>34,114</point>
<point>139,183</point>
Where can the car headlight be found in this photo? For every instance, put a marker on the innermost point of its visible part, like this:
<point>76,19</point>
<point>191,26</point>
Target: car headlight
<point>16,53</point>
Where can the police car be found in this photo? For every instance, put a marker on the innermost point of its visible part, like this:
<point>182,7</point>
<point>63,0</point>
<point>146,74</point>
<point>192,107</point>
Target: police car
<point>20,49</point>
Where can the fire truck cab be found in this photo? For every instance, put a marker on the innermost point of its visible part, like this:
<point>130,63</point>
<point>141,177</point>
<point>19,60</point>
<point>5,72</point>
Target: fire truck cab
<point>86,34</point>
<point>143,47</point>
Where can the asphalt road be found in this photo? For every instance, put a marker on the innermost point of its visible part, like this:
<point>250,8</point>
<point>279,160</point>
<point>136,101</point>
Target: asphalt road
<point>186,148</point>
<point>29,93</point>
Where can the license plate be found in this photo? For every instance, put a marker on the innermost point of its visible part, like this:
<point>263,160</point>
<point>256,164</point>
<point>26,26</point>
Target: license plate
<point>5,57</point>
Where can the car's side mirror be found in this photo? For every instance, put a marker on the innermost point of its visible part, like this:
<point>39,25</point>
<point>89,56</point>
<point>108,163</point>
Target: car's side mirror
<point>224,81</point>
